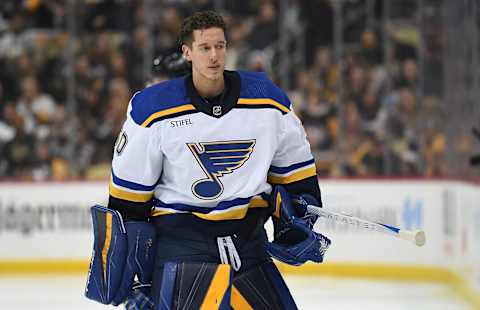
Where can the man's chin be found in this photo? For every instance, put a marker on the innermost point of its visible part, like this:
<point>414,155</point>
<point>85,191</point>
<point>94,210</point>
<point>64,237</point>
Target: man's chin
<point>215,76</point>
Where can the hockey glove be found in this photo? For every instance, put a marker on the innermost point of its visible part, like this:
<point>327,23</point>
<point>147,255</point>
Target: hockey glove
<point>121,251</point>
<point>294,241</point>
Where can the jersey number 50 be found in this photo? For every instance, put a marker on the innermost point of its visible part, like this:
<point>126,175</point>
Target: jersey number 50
<point>121,142</point>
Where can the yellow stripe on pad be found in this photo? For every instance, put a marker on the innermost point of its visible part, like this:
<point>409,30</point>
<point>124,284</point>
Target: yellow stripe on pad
<point>278,203</point>
<point>238,302</point>
<point>159,114</point>
<point>297,176</point>
<point>218,287</point>
<point>106,244</point>
<point>255,101</point>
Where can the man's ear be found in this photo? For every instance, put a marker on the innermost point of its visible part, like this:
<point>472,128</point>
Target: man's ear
<point>186,52</point>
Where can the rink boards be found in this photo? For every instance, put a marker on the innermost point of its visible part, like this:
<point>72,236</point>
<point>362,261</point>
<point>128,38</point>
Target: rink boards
<point>45,227</point>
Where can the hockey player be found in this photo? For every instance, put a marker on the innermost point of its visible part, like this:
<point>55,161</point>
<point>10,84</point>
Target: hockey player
<point>201,163</point>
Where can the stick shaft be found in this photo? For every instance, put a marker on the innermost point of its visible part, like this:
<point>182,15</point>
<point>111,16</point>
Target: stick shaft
<point>417,237</point>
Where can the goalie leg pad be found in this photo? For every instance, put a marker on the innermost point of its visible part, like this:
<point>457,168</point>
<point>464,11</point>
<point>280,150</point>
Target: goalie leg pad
<point>120,251</point>
<point>195,286</point>
<point>261,288</point>
<point>109,255</point>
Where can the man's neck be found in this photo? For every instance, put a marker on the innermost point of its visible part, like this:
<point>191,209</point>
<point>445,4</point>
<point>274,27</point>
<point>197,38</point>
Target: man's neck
<point>208,88</point>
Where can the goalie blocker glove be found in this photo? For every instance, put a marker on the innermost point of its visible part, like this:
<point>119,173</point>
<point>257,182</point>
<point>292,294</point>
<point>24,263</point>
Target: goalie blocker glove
<point>121,252</point>
<point>294,241</point>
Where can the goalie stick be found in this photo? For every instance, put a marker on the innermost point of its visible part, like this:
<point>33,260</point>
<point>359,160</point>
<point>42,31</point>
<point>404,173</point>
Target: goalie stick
<point>415,236</point>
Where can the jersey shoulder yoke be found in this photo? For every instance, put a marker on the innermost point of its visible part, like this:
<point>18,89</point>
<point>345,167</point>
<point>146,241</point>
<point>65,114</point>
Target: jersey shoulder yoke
<point>258,88</point>
<point>160,101</point>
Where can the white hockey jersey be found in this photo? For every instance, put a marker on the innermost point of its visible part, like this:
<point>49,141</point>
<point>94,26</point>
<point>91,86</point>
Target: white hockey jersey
<point>215,165</point>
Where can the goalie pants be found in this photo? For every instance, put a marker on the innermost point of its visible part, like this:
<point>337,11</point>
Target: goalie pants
<point>187,239</point>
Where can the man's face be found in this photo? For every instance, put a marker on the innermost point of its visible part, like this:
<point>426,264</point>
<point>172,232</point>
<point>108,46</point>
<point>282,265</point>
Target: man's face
<point>207,53</point>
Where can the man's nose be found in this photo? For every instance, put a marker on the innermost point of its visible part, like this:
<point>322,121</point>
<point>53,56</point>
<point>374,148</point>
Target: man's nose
<point>213,55</point>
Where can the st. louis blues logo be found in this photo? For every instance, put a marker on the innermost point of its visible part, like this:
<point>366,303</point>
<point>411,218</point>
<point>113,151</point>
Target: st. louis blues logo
<point>217,159</point>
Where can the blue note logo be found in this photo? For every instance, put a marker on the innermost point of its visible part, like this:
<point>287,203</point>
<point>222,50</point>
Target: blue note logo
<point>217,159</point>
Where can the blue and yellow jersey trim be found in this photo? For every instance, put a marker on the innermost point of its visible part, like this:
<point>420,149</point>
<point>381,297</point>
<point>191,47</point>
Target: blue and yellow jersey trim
<point>160,101</point>
<point>246,103</point>
<point>262,103</point>
<point>225,210</point>
<point>169,113</point>
<point>258,91</point>
<point>169,99</point>
<point>130,191</point>
<point>292,173</point>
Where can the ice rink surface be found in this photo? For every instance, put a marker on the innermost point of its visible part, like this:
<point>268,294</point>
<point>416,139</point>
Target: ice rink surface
<point>66,292</point>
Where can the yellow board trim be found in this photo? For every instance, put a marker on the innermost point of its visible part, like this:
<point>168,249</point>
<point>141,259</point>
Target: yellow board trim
<point>380,271</point>
<point>182,108</point>
<point>217,289</point>
<point>297,176</point>
<point>414,273</point>
<point>23,267</point>
<point>255,101</point>
<point>346,269</point>
<point>106,245</point>
<point>238,302</point>
<point>121,194</point>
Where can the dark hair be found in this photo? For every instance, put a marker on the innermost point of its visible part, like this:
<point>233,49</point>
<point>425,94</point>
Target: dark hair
<point>198,21</point>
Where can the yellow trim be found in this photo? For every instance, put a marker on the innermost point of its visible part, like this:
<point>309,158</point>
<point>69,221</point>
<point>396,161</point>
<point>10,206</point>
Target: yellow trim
<point>24,267</point>
<point>297,176</point>
<point>346,269</point>
<point>395,272</point>
<point>121,194</point>
<point>162,212</point>
<point>254,101</point>
<point>166,112</point>
<point>278,202</point>
<point>373,270</point>
<point>238,302</point>
<point>235,214</point>
<point>106,245</point>
<point>258,202</point>
<point>219,285</point>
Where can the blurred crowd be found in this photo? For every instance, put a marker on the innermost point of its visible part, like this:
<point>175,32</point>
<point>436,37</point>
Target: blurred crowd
<point>65,85</point>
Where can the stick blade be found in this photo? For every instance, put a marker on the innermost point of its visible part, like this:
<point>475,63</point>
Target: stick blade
<point>420,238</point>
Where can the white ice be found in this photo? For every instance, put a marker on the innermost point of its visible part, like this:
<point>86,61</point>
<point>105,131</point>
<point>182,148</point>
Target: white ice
<point>66,292</point>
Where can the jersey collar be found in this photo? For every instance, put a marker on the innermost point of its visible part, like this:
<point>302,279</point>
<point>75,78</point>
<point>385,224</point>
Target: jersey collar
<point>220,105</point>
